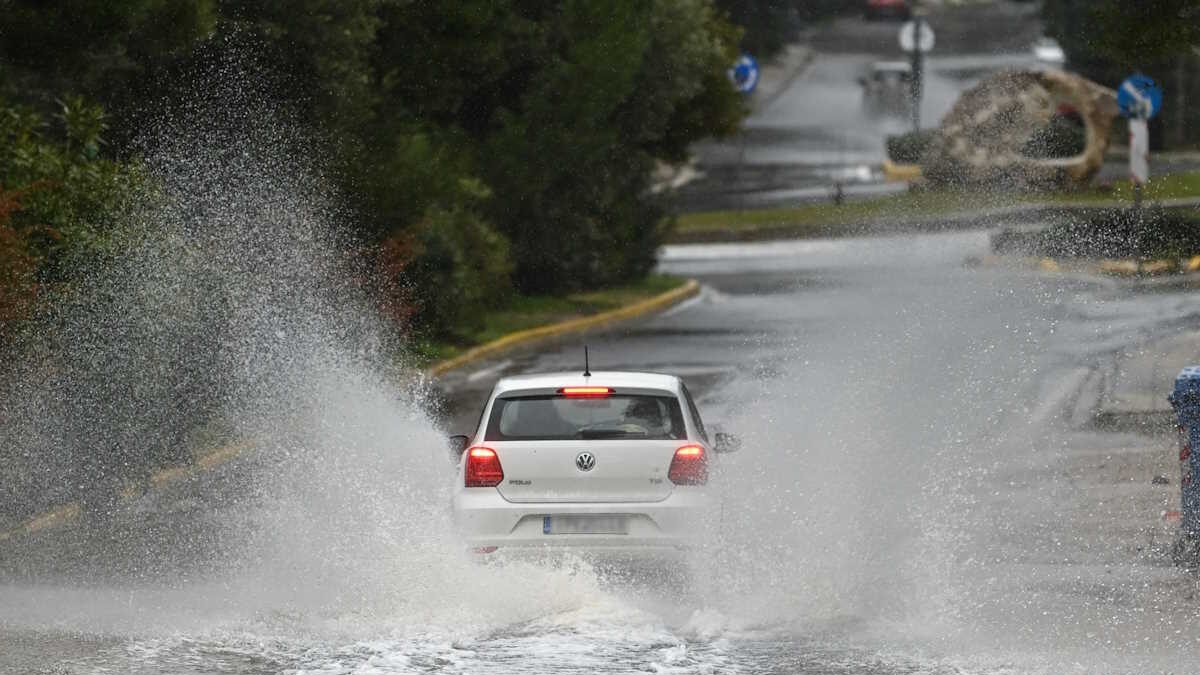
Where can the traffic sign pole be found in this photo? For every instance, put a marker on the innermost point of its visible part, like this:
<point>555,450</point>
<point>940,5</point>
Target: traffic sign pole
<point>916,38</point>
<point>1139,99</point>
<point>1139,156</point>
<point>917,76</point>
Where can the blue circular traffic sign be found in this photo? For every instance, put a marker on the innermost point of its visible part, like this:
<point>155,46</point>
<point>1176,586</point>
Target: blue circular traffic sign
<point>744,74</point>
<point>1139,97</point>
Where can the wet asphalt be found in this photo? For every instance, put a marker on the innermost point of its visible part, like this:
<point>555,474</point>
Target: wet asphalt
<point>920,490</point>
<point>818,132</point>
<point>938,411</point>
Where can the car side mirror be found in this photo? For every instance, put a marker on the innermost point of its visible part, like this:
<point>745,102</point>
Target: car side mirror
<point>457,444</point>
<point>723,442</point>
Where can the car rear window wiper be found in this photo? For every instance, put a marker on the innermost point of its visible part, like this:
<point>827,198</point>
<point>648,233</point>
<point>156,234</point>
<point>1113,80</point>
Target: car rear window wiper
<point>607,433</point>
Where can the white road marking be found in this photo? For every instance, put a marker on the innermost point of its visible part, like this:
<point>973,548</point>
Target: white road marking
<point>486,372</point>
<point>1054,404</point>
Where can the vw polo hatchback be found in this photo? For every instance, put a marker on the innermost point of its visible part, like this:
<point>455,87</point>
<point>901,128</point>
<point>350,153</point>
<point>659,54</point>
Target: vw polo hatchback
<point>608,462</point>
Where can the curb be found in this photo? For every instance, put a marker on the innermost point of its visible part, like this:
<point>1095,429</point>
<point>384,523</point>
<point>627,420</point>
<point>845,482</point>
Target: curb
<point>71,511</point>
<point>555,330</point>
<point>901,172</point>
<point>1017,214</point>
<point>1129,268</point>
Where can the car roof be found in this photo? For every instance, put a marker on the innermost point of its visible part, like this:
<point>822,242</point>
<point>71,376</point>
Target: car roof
<point>604,378</point>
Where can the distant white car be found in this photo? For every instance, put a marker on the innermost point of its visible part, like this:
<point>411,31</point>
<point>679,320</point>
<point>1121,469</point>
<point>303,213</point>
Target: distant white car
<point>887,88</point>
<point>1048,51</point>
<point>611,463</point>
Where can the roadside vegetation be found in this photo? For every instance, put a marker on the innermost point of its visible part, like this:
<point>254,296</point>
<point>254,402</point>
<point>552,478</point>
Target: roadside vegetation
<point>489,152</point>
<point>1149,233</point>
<point>491,162</point>
<point>911,210</point>
<point>531,311</point>
<point>1107,40</point>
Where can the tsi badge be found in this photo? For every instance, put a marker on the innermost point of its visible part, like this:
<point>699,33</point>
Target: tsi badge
<point>585,461</point>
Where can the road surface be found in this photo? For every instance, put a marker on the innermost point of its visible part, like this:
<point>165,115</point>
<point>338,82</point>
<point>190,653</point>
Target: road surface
<point>815,132</point>
<point>918,492</point>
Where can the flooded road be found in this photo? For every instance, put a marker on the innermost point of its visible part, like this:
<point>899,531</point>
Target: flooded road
<point>917,493</point>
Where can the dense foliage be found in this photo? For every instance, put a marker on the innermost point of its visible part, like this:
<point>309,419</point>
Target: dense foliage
<point>908,147</point>
<point>770,24</point>
<point>57,196</point>
<point>484,145</point>
<point>1107,40</point>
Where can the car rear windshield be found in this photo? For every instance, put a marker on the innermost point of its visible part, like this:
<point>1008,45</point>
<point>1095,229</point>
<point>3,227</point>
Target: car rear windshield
<point>619,416</point>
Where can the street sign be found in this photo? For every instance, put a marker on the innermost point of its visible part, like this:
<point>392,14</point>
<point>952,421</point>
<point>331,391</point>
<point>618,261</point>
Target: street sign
<point>909,36</point>
<point>1139,150</point>
<point>744,74</point>
<point>1139,97</point>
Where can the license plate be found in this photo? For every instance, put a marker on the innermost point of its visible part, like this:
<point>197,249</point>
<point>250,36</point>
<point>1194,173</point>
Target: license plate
<point>585,525</point>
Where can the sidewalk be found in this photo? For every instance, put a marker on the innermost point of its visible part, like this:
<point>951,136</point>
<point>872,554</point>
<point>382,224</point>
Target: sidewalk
<point>1135,388</point>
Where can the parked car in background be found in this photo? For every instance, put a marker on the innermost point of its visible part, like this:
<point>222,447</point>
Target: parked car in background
<point>887,89</point>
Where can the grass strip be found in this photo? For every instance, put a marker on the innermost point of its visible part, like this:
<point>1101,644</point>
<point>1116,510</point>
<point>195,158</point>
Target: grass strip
<point>531,311</point>
<point>900,210</point>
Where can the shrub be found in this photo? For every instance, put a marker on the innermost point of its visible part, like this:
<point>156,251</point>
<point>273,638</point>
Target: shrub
<point>68,193</point>
<point>446,271</point>
<point>18,283</point>
<point>908,148</point>
<point>1149,232</point>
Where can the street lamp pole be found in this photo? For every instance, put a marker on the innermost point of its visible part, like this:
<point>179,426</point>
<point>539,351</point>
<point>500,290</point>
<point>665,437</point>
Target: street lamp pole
<point>916,73</point>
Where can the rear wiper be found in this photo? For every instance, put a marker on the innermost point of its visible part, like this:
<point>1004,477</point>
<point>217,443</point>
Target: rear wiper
<point>587,434</point>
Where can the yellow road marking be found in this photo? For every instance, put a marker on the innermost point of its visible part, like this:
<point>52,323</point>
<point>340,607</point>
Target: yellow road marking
<point>71,511</point>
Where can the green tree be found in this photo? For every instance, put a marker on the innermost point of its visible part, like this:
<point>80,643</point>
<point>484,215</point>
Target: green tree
<point>58,198</point>
<point>319,52</point>
<point>563,107</point>
<point>1107,40</point>
<point>110,52</point>
<point>528,128</point>
<point>768,24</point>
<point>67,194</point>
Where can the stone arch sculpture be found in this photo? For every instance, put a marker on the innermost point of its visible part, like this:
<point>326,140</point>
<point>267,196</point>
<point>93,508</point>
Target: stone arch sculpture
<point>980,140</point>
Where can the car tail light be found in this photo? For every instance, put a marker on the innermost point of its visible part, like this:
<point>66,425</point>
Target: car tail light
<point>689,466</point>
<point>586,392</point>
<point>483,468</point>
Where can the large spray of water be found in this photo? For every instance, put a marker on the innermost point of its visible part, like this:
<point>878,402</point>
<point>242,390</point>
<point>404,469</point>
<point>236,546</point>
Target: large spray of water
<point>234,306</point>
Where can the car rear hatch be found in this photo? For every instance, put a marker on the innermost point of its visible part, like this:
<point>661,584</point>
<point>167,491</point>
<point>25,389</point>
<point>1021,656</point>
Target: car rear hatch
<point>586,471</point>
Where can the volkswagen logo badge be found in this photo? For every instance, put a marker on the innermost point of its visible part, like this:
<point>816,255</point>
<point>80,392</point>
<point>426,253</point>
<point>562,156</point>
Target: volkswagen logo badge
<point>585,461</point>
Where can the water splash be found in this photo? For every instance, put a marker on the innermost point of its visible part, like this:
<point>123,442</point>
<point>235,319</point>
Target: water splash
<point>235,304</point>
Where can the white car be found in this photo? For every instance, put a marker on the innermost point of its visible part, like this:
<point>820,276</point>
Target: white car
<point>609,464</point>
<point>1047,50</point>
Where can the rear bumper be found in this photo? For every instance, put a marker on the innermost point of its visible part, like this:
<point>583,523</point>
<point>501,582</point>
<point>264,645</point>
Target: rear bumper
<point>655,529</point>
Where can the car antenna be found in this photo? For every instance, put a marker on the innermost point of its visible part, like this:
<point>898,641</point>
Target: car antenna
<point>586,371</point>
